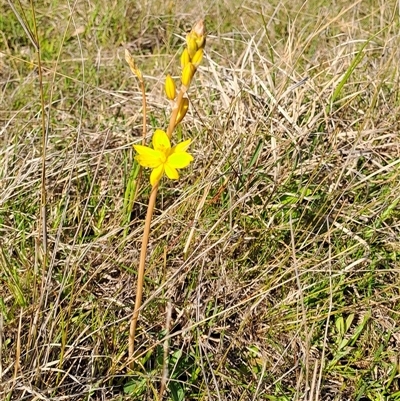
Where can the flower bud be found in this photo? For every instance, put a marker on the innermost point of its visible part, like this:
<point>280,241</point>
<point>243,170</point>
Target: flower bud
<point>201,42</point>
<point>185,59</point>
<point>196,60</point>
<point>199,28</point>
<point>187,74</point>
<point>183,108</point>
<point>170,88</point>
<point>200,35</point>
<point>191,44</point>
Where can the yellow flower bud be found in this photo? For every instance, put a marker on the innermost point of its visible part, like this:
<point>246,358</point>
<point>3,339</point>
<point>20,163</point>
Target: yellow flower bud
<point>170,88</point>
<point>185,59</point>
<point>182,110</point>
<point>191,44</point>
<point>201,42</point>
<point>196,60</point>
<point>200,35</point>
<point>187,74</point>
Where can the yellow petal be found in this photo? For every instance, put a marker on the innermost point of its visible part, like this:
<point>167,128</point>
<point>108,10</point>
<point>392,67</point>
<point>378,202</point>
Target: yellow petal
<point>161,141</point>
<point>179,160</point>
<point>143,150</point>
<point>148,157</point>
<point>156,175</point>
<point>171,172</point>
<point>181,147</point>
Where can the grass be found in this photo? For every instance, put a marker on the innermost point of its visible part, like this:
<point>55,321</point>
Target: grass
<point>273,267</point>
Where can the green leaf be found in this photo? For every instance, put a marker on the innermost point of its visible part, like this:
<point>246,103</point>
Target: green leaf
<point>177,392</point>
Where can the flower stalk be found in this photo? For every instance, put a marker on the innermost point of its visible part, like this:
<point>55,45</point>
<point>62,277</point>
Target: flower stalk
<point>163,158</point>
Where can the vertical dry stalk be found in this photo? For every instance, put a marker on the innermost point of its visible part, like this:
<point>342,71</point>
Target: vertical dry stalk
<point>140,279</point>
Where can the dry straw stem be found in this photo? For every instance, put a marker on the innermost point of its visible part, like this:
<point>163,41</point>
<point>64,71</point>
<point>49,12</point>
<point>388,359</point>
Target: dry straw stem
<point>198,30</point>
<point>140,277</point>
<point>135,70</point>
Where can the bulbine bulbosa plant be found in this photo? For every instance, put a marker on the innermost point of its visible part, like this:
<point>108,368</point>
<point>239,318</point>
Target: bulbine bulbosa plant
<point>163,157</point>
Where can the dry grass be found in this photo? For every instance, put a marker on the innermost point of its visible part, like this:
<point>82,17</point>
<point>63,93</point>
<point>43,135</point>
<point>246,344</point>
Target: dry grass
<point>276,255</point>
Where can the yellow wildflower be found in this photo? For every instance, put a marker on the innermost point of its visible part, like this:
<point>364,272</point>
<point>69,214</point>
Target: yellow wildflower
<point>162,158</point>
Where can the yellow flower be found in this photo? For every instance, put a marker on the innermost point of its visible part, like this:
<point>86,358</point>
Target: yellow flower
<point>162,158</point>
